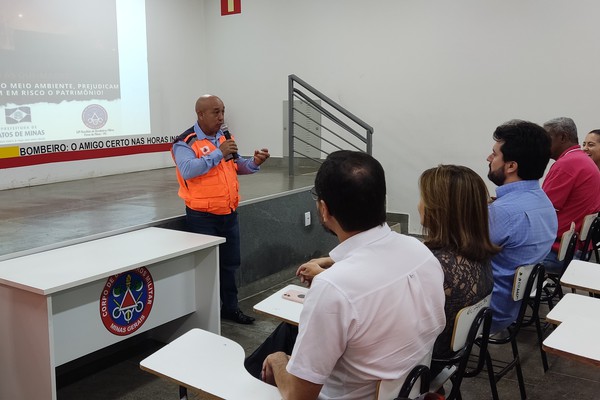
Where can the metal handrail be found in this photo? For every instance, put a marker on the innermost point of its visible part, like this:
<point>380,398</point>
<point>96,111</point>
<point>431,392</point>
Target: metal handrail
<point>294,92</point>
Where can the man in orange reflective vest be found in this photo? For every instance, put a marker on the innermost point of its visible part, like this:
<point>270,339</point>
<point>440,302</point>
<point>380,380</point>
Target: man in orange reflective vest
<point>207,168</point>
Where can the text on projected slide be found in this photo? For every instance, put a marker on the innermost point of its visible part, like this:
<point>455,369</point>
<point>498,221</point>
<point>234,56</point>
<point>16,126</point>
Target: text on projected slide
<point>72,70</point>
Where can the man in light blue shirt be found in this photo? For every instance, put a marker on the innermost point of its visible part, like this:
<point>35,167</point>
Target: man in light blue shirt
<point>207,169</point>
<point>522,219</point>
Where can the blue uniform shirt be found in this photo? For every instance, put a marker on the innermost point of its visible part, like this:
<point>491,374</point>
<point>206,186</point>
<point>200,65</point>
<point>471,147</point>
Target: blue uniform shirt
<point>523,222</point>
<point>191,166</point>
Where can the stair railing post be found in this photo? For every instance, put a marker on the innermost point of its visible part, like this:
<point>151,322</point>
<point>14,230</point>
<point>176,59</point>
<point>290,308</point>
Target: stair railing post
<point>291,125</point>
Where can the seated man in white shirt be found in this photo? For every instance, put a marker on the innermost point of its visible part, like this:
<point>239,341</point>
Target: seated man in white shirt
<point>377,310</point>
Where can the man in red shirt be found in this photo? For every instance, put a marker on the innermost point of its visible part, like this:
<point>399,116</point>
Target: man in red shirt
<point>572,184</point>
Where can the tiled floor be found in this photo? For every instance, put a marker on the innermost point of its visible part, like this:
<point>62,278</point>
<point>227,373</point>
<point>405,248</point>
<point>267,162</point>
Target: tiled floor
<point>44,216</point>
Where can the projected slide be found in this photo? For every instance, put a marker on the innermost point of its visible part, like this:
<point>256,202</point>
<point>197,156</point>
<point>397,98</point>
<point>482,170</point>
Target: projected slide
<point>72,70</point>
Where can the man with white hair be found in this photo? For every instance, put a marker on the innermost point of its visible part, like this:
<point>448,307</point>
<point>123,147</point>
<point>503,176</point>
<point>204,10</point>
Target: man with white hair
<point>572,183</point>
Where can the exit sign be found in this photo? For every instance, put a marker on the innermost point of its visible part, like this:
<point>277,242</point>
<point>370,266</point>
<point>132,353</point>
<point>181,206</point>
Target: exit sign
<point>229,7</point>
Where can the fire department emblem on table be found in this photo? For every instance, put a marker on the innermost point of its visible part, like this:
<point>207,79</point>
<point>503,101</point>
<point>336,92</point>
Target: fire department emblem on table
<point>126,301</point>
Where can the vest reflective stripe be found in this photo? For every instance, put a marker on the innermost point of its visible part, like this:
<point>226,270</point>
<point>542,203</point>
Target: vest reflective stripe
<point>217,191</point>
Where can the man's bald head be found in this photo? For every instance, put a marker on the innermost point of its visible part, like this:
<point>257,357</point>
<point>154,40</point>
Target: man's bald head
<point>210,111</point>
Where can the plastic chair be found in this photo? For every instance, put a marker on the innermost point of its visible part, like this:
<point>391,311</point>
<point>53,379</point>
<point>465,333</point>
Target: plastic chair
<point>590,236</point>
<point>470,323</point>
<point>551,287</point>
<point>526,280</point>
<point>551,284</point>
<point>419,374</point>
<point>392,388</point>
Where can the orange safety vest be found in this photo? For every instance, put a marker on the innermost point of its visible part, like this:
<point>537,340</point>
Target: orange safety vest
<point>217,191</point>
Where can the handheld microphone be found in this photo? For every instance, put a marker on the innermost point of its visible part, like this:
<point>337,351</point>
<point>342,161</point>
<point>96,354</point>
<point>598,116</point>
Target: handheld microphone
<point>227,135</point>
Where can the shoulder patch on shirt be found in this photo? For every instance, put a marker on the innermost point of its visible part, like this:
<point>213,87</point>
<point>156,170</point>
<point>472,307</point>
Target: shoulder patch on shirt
<point>189,136</point>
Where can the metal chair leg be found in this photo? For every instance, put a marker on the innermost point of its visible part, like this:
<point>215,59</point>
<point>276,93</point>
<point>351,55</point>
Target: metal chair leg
<point>491,375</point>
<point>540,334</point>
<point>182,393</point>
<point>519,370</point>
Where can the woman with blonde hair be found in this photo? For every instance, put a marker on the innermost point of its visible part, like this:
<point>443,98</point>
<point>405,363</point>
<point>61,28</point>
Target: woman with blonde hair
<point>454,215</point>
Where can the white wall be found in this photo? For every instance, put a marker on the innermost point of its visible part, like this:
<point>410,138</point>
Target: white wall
<point>433,78</point>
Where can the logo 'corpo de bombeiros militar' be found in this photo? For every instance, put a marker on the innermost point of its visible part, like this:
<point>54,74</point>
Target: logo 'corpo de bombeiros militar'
<point>126,301</point>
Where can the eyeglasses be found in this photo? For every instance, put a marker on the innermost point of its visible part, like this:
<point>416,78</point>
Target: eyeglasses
<point>313,193</point>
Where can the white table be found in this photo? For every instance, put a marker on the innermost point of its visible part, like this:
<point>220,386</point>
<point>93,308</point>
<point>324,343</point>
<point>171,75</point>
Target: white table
<point>575,338</point>
<point>210,364</point>
<point>50,302</point>
<point>276,306</point>
<point>582,275</point>
<point>574,305</point>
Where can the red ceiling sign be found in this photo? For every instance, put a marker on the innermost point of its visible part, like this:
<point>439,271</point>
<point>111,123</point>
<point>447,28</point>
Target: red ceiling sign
<point>229,7</point>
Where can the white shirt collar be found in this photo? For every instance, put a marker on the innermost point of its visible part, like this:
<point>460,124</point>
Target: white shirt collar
<point>361,239</point>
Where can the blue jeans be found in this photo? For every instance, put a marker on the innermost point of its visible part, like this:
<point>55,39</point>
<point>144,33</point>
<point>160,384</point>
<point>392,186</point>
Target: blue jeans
<point>553,266</point>
<point>226,226</point>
